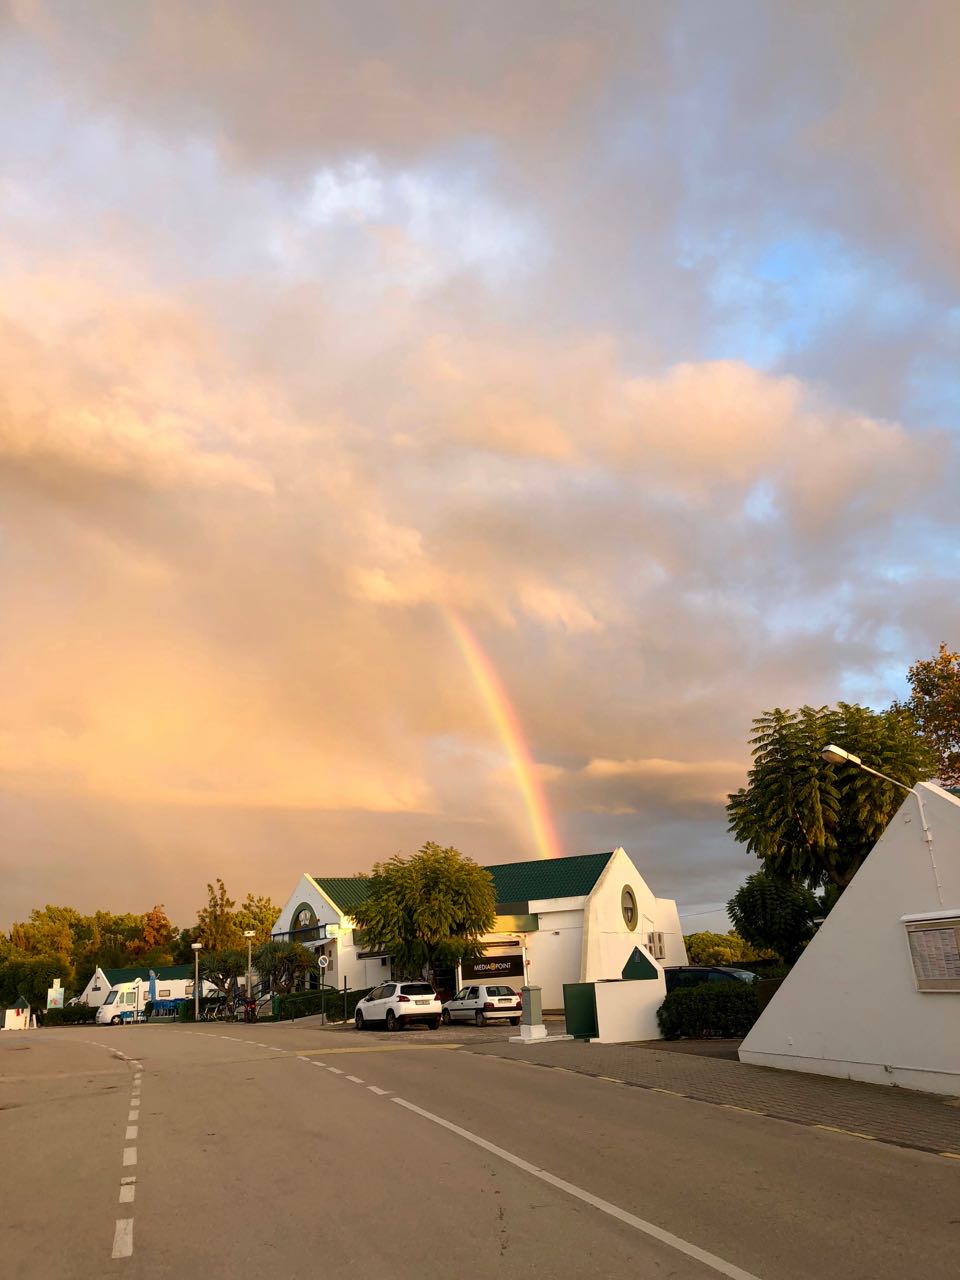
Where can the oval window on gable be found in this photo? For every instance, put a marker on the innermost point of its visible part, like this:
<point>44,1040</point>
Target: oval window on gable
<point>628,905</point>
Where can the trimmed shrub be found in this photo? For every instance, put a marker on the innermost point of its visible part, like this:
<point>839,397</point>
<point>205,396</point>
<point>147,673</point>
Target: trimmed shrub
<point>727,1009</point>
<point>70,1016</point>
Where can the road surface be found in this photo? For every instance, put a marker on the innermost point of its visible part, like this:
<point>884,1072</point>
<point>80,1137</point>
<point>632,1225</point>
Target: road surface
<point>282,1151</point>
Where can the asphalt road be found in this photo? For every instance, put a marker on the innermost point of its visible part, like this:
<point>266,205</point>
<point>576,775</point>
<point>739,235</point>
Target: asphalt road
<point>281,1150</point>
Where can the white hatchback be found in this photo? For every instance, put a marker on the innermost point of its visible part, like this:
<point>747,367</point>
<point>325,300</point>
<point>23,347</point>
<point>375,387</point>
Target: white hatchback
<point>398,1004</point>
<point>483,1003</point>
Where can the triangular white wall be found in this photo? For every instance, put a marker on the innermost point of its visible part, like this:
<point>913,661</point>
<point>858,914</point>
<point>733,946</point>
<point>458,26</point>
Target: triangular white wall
<point>850,1006</point>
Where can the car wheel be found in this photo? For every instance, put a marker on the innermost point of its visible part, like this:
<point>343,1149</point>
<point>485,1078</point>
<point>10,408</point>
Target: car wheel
<point>479,1019</point>
<point>514,1022</point>
<point>115,1019</point>
<point>392,1023</point>
<point>358,1019</point>
<point>445,1018</point>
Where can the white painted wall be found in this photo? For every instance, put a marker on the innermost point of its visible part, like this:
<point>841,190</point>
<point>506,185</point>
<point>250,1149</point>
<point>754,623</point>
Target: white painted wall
<point>850,1006</point>
<point>608,939</point>
<point>628,1010</point>
<point>553,954</point>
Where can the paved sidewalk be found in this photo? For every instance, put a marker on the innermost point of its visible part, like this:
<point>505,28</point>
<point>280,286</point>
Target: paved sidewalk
<point>927,1122</point>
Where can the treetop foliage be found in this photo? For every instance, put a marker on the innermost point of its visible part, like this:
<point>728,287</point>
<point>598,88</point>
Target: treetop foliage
<point>723,949</point>
<point>935,703</point>
<point>813,821</point>
<point>431,908</point>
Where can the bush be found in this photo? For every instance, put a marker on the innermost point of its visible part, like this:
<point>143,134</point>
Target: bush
<point>727,1009</point>
<point>301,1004</point>
<point>71,1015</point>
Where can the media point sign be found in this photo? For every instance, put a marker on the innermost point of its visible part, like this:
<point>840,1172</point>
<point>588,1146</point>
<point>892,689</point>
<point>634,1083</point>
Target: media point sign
<point>493,967</point>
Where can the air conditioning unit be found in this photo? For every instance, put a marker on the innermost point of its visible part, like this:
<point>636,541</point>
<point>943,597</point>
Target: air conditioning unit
<point>656,947</point>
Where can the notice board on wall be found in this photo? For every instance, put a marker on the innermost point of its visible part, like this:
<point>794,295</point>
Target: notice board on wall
<point>935,952</point>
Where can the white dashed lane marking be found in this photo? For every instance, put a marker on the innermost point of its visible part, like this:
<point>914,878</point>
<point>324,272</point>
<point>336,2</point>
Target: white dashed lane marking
<point>354,1079</point>
<point>133,1115</point>
<point>127,1193</point>
<point>129,1155</point>
<point>336,1071</point>
<point>123,1238</point>
<point>131,1135</point>
<point>380,1092</point>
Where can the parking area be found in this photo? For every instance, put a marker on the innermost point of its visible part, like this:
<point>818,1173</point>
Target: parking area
<point>465,1033</point>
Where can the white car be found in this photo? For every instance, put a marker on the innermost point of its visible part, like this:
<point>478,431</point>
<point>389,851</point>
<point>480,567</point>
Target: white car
<point>398,1004</point>
<point>483,1003</point>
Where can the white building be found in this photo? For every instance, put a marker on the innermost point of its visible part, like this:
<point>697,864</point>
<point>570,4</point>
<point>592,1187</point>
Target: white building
<point>876,994</point>
<point>558,920</point>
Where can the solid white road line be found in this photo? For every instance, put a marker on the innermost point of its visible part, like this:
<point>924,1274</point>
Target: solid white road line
<point>355,1079</point>
<point>381,1092</point>
<point>129,1155</point>
<point>131,1133</point>
<point>127,1194</point>
<point>710,1260</point>
<point>123,1238</point>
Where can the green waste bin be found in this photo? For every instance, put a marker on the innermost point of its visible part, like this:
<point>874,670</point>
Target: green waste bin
<point>580,1010</point>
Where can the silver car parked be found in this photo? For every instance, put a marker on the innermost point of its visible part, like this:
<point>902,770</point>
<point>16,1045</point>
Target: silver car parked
<point>483,1002</point>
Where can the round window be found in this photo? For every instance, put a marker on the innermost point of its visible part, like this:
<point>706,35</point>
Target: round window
<point>628,905</point>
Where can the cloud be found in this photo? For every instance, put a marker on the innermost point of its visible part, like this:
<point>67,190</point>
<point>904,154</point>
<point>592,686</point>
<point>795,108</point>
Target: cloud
<point>600,331</point>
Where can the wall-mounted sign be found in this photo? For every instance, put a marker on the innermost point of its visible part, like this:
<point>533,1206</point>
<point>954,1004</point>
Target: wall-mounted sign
<point>935,952</point>
<point>55,997</point>
<point>493,967</point>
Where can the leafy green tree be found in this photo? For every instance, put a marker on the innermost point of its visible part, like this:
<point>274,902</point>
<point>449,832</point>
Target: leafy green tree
<point>258,914</point>
<point>935,703</point>
<point>217,925</point>
<point>812,821</point>
<point>284,963</point>
<point>31,976</point>
<point>723,948</point>
<point>223,969</point>
<point>426,910</point>
<point>774,913</point>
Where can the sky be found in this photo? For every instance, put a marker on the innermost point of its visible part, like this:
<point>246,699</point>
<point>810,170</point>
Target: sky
<point>623,338</point>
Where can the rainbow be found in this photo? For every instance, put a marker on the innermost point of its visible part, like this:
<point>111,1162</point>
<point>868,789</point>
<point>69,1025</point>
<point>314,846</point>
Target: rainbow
<point>511,735</point>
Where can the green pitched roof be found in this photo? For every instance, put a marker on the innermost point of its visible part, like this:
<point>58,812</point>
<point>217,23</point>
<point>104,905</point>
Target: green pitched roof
<point>513,881</point>
<point>165,973</point>
<point>548,878</point>
<point>345,892</point>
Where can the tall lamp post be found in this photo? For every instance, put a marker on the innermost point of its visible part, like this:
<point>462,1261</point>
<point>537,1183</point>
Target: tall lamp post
<point>249,934</point>
<point>196,948</point>
<point>836,755</point>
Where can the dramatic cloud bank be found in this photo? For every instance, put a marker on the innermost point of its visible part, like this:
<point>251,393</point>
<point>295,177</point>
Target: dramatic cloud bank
<point>631,333</point>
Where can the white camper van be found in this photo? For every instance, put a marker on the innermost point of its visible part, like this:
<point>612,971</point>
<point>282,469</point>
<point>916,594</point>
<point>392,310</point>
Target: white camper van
<point>124,1003</point>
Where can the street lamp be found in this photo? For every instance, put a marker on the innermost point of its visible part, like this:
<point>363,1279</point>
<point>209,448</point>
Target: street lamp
<point>836,755</point>
<point>196,948</point>
<point>249,934</point>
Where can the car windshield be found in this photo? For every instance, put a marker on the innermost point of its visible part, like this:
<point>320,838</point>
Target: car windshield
<point>500,991</point>
<point>744,975</point>
<point>110,998</point>
<point>417,989</point>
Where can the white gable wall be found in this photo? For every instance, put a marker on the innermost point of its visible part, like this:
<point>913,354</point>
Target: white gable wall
<point>850,1006</point>
<point>608,940</point>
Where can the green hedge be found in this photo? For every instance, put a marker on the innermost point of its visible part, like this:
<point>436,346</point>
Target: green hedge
<point>71,1015</point>
<point>301,1004</point>
<point>727,1009</point>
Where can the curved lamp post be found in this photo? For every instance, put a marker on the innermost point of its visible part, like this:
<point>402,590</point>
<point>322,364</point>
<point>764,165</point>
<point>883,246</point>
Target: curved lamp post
<point>836,755</point>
